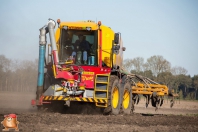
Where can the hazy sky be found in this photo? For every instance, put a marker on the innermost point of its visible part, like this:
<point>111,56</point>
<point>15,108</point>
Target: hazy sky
<point>149,27</point>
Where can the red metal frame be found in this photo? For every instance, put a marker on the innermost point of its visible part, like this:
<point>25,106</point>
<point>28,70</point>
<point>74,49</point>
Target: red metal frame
<point>55,57</point>
<point>65,74</point>
<point>91,78</point>
<point>39,102</point>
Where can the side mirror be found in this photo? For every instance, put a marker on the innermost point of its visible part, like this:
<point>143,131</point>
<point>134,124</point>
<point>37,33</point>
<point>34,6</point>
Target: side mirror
<point>117,38</point>
<point>116,49</point>
<point>116,46</point>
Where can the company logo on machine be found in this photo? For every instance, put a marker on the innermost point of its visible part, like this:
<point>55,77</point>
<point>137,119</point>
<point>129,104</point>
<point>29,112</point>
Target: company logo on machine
<point>87,73</point>
<point>10,122</point>
<point>87,76</point>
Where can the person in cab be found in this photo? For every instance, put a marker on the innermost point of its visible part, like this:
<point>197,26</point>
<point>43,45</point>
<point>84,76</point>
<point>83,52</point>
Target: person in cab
<point>81,50</point>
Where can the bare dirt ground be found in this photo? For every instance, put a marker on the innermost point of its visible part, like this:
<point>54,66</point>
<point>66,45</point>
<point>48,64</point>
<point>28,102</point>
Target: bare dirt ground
<point>182,117</point>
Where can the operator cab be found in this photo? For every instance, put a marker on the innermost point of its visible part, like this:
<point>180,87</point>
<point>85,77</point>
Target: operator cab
<point>79,45</point>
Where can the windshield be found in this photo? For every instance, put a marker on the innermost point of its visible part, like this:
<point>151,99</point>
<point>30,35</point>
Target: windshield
<point>80,45</point>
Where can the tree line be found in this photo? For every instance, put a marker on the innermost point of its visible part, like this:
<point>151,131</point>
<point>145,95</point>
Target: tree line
<point>159,69</point>
<point>18,75</point>
<point>21,75</point>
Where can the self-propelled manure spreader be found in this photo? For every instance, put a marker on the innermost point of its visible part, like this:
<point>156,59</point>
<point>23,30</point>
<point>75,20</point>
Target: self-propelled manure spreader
<point>83,63</point>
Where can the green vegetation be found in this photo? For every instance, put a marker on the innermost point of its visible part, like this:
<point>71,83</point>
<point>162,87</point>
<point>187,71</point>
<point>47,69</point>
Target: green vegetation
<point>192,114</point>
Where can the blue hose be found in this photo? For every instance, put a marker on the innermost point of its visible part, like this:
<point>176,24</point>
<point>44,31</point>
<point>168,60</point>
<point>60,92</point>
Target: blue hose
<point>41,65</point>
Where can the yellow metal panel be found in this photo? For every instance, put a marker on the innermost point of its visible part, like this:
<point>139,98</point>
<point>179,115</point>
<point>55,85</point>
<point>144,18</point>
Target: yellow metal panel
<point>141,88</point>
<point>84,24</point>
<point>160,94</point>
<point>95,100</point>
<point>57,36</point>
<point>147,89</point>
<point>101,90</point>
<point>101,105</point>
<point>95,89</point>
<point>107,39</point>
<point>46,97</point>
<point>142,92</point>
<point>101,101</point>
<point>66,99</point>
<point>57,39</point>
<point>90,99</point>
<point>55,97</point>
<point>103,82</point>
<point>60,97</point>
<point>84,99</point>
<point>54,70</point>
<point>50,98</point>
<point>78,99</point>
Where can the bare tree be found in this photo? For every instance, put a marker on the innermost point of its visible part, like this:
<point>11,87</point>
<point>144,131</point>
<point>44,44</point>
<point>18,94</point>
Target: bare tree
<point>1,77</point>
<point>127,64</point>
<point>136,64</point>
<point>17,75</point>
<point>157,64</point>
<point>177,70</point>
<point>5,64</point>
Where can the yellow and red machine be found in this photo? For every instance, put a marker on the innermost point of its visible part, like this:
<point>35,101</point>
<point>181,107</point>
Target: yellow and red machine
<point>84,63</point>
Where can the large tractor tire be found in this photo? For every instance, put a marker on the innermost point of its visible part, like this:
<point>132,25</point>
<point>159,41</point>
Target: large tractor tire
<point>127,103</point>
<point>114,96</point>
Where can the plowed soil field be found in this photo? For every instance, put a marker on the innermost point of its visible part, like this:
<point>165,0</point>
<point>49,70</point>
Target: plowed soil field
<point>182,117</point>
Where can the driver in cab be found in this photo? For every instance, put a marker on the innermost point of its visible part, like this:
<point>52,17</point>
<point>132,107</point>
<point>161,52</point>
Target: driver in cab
<point>82,48</point>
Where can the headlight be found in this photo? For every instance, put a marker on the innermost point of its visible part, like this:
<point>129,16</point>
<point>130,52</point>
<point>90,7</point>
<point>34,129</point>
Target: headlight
<point>88,28</point>
<point>65,27</point>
